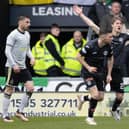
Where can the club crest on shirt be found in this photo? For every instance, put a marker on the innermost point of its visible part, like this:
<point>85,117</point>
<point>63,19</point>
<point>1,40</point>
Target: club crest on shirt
<point>121,39</point>
<point>94,53</point>
<point>105,53</point>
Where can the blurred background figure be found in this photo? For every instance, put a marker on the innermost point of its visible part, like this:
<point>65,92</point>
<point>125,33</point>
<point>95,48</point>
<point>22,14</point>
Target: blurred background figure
<point>125,8</point>
<point>97,11</point>
<point>106,22</point>
<point>38,53</point>
<point>125,11</point>
<point>69,52</point>
<point>53,60</point>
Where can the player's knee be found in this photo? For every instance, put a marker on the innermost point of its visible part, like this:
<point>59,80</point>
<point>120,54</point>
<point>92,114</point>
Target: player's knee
<point>29,86</point>
<point>120,97</point>
<point>9,90</point>
<point>95,96</point>
<point>8,96</point>
<point>101,98</point>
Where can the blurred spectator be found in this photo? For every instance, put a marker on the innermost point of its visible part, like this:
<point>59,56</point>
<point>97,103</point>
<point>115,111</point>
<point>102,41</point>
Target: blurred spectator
<point>125,8</point>
<point>38,53</point>
<point>108,2</point>
<point>98,10</point>
<point>72,66</point>
<point>106,22</point>
<point>52,58</point>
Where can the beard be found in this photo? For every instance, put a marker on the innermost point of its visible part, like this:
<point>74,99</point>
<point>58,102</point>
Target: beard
<point>25,28</point>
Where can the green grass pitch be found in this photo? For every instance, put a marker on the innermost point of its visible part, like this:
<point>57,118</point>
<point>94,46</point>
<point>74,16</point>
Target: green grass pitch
<point>66,123</point>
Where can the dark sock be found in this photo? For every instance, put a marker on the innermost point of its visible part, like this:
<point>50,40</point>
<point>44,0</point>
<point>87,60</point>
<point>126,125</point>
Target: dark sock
<point>86,98</point>
<point>116,104</point>
<point>93,104</point>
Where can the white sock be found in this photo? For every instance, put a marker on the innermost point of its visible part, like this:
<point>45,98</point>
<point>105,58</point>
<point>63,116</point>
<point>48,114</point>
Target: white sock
<point>6,102</point>
<point>24,102</point>
<point>82,98</point>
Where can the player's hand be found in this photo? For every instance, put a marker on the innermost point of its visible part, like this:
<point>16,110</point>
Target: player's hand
<point>32,61</point>
<point>108,79</point>
<point>16,69</point>
<point>92,69</point>
<point>77,9</point>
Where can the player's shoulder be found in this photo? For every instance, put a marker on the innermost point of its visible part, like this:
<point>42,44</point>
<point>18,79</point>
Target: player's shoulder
<point>124,36</point>
<point>12,34</point>
<point>92,43</point>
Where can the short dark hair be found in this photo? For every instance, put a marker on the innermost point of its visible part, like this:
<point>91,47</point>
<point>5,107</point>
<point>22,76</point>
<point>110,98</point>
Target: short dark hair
<point>103,36</point>
<point>20,18</point>
<point>115,18</point>
<point>54,25</point>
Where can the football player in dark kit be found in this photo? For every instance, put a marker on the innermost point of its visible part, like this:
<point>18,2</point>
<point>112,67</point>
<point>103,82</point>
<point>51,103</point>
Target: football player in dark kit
<point>120,40</point>
<point>93,57</point>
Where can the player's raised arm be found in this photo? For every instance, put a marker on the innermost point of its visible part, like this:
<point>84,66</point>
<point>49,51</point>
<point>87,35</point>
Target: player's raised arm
<point>79,11</point>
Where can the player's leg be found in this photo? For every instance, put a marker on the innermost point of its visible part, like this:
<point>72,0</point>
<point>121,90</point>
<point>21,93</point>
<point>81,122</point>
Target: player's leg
<point>100,86</point>
<point>91,84</point>
<point>117,87</point>
<point>96,89</point>
<point>115,108</point>
<point>25,98</point>
<point>10,81</point>
<point>6,102</point>
<point>25,101</point>
<point>101,96</point>
<point>82,99</point>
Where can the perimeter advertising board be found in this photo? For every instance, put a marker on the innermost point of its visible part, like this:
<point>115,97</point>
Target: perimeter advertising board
<point>45,15</point>
<point>62,104</point>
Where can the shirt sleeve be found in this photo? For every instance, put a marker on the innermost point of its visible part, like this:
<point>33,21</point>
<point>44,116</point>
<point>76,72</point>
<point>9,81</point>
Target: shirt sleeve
<point>29,53</point>
<point>9,44</point>
<point>110,51</point>
<point>10,39</point>
<point>84,51</point>
<point>52,49</point>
